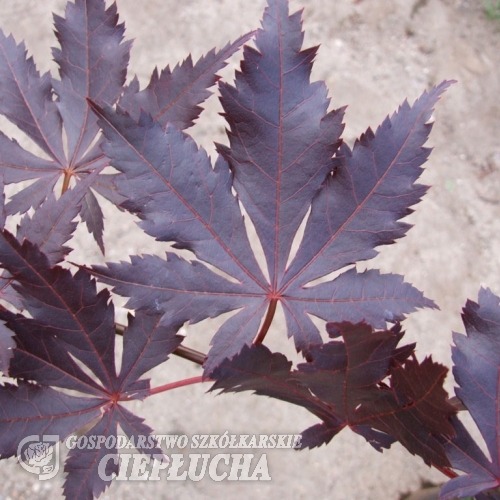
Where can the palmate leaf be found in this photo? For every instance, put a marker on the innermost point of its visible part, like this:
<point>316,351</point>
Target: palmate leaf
<point>92,61</point>
<point>284,158</point>
<point>71,321</point>
<point>476,359</point>
<point>363,382</point>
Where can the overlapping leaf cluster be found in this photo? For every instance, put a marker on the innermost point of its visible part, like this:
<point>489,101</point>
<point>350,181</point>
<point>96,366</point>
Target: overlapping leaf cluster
<point>284,162</point>
<point>362,382</point>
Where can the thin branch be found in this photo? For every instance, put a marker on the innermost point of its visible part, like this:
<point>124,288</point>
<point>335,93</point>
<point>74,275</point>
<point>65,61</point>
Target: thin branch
<point>182,351</point>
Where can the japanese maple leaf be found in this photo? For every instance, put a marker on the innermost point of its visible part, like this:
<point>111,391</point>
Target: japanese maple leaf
<point>363,382</point>
<point>70,325</point>
<point>92,61</point>
<point>476,358</point>
<point>284,159</point>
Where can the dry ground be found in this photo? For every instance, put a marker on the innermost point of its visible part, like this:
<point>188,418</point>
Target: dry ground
<point>374,53</point>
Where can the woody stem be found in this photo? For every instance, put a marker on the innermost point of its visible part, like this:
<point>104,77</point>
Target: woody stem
<point>182,351</point>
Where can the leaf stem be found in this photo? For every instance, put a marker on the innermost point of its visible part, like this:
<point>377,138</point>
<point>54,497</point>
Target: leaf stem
<point>178,383</point>
<point>446,471</point>
<point>164,388</point>
<point>267,322</point>
<point>454,401</point>
<point>67,178</point>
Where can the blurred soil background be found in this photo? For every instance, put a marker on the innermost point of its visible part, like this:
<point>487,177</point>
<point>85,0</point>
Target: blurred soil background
<point>373,55</point>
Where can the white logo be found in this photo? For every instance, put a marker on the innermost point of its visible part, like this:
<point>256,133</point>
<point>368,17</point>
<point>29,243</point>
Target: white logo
<point>40,455</point>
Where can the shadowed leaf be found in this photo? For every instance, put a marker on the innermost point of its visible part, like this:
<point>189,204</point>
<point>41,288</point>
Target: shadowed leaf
<point>344,385</point>
<point>476,358</point>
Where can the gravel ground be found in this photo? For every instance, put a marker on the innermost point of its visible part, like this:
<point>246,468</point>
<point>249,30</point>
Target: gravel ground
<point>373,55</point>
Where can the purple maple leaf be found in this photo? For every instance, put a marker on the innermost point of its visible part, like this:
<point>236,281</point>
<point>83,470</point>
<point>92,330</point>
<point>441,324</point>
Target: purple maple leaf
<point>92,61</point>
<point>285,158</point>
<point>70,320</point>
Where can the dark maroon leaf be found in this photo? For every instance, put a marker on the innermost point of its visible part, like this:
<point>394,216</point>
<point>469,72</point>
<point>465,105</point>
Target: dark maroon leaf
<point>162,167</point>
<point>323,433</point>
<point>368,296</point>
<point>26,98</point>
<point>465,454</point>
<point>29,409</point>
<point>422,410</point>
<point>41,357</point>
<point>187,290</point>
<point>257,369</point>
<point>8,293</point>
<point>476,358</point>
<point>174,96</point>
<point>92,64</point>
<point>172,283</point>
<point>54,297</point>
<point>70,320</point>
<point>82,465</point>
<point>344,385</point>
<point>176,212</point>
<point>283,159</point>
<point>177,282</point>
